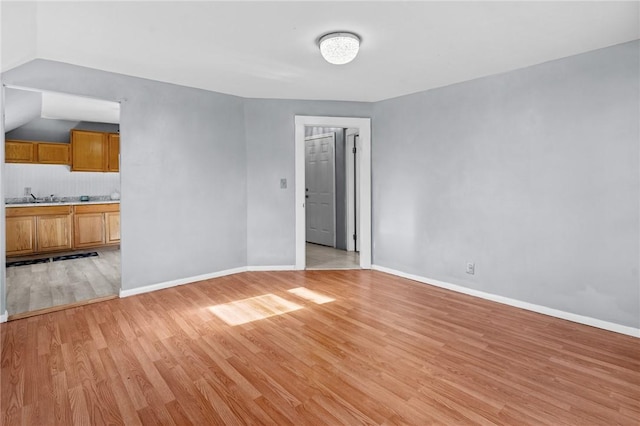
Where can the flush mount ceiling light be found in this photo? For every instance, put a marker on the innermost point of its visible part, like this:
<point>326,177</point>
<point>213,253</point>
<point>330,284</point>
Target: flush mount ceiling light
<point>339,48</point>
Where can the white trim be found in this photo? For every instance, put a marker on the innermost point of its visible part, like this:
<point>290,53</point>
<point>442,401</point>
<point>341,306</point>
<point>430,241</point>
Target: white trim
<point>271,268</point>
<point>4,317</point>
<point>181,281</point>
<point>364,177</point>
<point>594,322</point>
<point>350,141</point>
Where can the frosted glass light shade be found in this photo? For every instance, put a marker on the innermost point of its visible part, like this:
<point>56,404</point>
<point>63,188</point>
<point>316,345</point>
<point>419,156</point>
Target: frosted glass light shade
<point>339,48</point>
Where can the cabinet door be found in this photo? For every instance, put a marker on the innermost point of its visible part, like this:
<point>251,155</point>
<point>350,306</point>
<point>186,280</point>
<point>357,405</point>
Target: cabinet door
<point>19,152</point>
<point>112,221</point>
<point>88,230</point>
<point>53,153</point>
<point>53,233</point>
<point>114,152</point>
<point>88,151</point>
<point>21,235</point>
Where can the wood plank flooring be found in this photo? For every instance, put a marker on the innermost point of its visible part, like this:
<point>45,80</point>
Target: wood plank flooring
<point>342,347</point>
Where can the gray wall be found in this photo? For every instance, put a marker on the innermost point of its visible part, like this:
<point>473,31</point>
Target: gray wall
<point>50,130</point>
<point>340,181</point>
<point>533,175</point>
<point>269,127</point>
<point>183,170</point>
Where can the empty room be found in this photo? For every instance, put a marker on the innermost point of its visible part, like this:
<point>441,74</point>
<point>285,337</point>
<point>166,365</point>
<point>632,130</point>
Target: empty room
<point>320,212</point>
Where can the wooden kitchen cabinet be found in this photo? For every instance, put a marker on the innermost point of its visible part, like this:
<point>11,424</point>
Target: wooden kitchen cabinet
<point>52,153</point>
<point>32,230</point>
<point>112,223</point>
<point>113,149</point>
<point>20,235</point>
<point>88,151</point>
<point>19,152</point>
<point>53,233</point>
<point>36,152</point>
<point>88,230</point>
<point>95,151</point>
<point>96,225</point>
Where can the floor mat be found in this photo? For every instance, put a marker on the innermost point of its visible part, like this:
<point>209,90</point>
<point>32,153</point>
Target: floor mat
<point>28,262</point>
<point>75,256</point>
<point>51,259</point>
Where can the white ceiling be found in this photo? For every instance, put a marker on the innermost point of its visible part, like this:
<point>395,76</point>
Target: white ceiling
<point>268,49</point>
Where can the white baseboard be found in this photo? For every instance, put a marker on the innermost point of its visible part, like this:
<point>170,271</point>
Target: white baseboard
<point>168,284</point>
<point>272,268</point>
<point>174,283</point>
<point>618,328</point>
<point>4,317</point>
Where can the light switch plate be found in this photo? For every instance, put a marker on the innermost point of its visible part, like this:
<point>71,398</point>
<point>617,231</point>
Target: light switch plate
<point>471,268</point>
<point>283,183</point>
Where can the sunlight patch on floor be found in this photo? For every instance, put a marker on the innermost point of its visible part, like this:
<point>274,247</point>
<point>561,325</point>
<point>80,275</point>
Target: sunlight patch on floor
<point>311,295</point>
<point>253,309</point>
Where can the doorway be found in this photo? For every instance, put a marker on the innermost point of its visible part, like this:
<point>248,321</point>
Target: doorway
<point>61,222</point>
<point>354,221</point>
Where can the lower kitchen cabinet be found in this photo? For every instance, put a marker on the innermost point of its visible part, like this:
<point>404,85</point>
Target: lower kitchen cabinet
<point>21,235</point>
<point>112,224</point>
<point>88,230</point>
<point>96,225</point>
<point>53,233</point>
<point>34,230</point>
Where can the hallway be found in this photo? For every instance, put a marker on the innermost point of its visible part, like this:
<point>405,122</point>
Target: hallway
<point>323,257</point>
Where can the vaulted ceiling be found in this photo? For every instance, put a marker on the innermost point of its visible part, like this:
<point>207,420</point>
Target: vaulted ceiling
<point>268,49</point>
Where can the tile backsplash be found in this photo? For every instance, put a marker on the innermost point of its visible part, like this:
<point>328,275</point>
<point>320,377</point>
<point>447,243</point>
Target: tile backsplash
<point>58,180</point>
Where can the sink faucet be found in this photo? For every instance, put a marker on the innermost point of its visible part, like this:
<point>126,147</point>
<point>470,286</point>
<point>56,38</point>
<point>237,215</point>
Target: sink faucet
<point>34,197</point>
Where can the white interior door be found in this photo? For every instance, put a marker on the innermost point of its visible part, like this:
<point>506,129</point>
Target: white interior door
<point>320,189</point>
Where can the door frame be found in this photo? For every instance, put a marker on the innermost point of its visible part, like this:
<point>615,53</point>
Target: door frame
<point>364,182</point>
<point>350,192</point>
<point>332,135</point>
<point>4,316</point>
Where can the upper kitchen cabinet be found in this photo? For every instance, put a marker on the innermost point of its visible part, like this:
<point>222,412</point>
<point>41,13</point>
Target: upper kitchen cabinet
<point>94,151</point>
<point>52,153</point>
<point>88,151</point>
<point>113,163</point>
<point>19,152</point>
<point>36,152</point>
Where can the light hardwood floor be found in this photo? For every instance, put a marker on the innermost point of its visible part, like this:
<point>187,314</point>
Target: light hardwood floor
<point>316,348</point>
<point>43,285</point>
<point>323,257</point>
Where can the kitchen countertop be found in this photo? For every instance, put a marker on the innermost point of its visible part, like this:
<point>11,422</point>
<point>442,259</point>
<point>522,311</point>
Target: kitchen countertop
<point>61,203</point>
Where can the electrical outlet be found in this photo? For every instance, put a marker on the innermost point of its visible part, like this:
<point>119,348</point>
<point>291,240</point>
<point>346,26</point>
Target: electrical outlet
<point>471,268</point>
<point>283,183</point>
<point>27,190</point>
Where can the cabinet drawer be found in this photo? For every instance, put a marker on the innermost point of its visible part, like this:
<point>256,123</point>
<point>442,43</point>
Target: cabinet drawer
<point>37,211</point>
<point>97,208</point>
